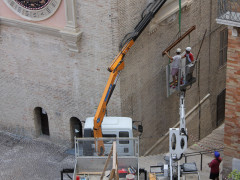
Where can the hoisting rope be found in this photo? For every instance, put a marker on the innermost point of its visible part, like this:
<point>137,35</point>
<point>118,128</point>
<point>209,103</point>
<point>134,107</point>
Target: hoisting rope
<point>180,16</point>
<point>179,21</point>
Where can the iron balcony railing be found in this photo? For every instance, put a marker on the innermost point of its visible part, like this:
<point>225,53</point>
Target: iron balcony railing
<point>229,10</point>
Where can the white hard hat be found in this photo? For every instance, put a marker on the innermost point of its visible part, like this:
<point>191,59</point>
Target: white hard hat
<point>188,49</point>
<point>178,50</point>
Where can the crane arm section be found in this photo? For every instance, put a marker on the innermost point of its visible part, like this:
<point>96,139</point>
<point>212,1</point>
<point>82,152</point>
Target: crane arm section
<point>118,64</point>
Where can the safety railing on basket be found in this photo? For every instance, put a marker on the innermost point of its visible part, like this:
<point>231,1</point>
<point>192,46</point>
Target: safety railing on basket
<point>184,76</point>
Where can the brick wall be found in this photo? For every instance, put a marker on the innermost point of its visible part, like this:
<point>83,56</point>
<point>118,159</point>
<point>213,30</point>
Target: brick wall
<point>232,116</point>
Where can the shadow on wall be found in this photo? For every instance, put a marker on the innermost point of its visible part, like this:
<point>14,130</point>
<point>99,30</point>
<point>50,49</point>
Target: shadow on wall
<point>41,122</point>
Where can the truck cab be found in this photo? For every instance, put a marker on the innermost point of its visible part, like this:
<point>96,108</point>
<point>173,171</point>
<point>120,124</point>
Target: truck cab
<point>114,128</point>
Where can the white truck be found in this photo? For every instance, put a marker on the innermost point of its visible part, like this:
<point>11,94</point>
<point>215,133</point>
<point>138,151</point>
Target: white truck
<point>113,127</point>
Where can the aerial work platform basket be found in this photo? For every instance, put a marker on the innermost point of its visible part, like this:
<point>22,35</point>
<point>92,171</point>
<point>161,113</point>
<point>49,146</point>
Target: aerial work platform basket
<point>185,77</point>
<point>185,72</point>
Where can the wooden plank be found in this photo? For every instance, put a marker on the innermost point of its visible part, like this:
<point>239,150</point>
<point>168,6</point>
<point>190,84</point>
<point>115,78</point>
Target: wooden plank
<point>116,170</point>
<point>114,154</point>
<point>105,166</point>
<point>178,40</point>
<point>112,174</point>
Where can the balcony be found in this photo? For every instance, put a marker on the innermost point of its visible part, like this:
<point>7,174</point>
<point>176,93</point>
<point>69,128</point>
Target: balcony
<point>229,12</point>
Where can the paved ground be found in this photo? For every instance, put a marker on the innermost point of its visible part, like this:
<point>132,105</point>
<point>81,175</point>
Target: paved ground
<point>27,159</point>
<point>37,159</point>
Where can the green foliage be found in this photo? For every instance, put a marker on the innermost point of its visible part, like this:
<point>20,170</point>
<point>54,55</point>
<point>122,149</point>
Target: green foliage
<point>234,175</point>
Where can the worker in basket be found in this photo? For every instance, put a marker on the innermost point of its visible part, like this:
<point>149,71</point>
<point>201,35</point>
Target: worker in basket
<point>188,56</point>
<point>189,65</point>
<point>176,61</point>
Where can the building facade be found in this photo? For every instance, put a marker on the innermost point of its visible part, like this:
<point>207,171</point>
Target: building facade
<point>143,81</point>
<point>229,14</point>
<point>53,70</point>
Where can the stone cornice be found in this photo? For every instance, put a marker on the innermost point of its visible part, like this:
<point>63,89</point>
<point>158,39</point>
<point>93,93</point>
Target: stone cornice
<point>71,37</point>
<point>30,26</point>
<point>168,11</point>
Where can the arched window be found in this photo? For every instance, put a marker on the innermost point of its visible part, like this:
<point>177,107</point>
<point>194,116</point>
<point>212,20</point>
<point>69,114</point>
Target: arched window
<point>75,128</point>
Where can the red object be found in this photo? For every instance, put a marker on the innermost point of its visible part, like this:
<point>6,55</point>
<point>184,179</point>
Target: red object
<point>121,171</point>
<point>181,81</point>
<point>191,56</point>
<point>77,178</point>
<point>214,165</point>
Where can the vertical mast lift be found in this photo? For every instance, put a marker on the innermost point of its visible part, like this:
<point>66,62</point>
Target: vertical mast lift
<point>178,136</point>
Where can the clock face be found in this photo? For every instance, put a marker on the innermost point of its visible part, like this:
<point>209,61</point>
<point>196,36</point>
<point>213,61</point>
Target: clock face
<point>33,4</point>
<point>33,10</point>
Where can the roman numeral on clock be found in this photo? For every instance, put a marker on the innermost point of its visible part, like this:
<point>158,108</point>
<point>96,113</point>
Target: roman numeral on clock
<point>48,10</point>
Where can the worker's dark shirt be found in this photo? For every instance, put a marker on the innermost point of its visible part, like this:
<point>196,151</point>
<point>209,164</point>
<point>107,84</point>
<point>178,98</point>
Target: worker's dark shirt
<point>214,165</point>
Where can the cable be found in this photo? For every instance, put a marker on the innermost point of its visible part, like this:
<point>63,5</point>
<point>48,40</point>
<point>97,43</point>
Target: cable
<point>145,20</point>
<point>142,15</point>
<point>125,40</point>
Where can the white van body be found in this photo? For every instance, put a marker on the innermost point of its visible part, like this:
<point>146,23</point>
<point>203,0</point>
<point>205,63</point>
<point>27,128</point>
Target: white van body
<point>115,127</point>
